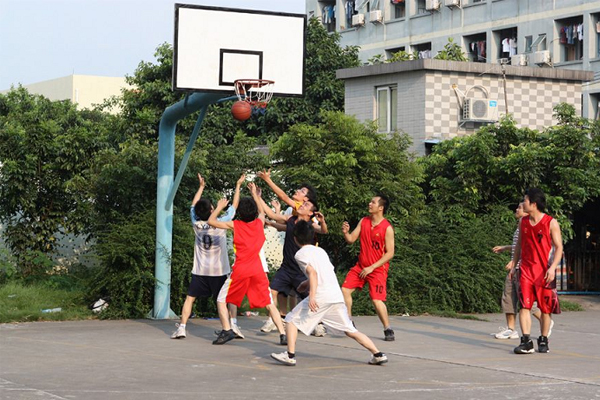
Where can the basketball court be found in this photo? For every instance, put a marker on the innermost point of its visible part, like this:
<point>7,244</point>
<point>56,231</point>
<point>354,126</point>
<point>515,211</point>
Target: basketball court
<point>432,358</point>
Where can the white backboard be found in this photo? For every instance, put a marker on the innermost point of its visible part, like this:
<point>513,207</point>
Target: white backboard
<point>214,46</point>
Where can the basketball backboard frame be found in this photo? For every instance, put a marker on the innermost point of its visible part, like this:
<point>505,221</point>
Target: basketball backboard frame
<point>214,46</point>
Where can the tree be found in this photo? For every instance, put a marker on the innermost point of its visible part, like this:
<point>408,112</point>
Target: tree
<point>496,164</point>
<point>348,163</point>
<point>46,148</point>
<point>451,52</point>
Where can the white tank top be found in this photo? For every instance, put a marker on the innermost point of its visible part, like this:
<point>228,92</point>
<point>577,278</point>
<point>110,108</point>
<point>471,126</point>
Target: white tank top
<point>210,251</point>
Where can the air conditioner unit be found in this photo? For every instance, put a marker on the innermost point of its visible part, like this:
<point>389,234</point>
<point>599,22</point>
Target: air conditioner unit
<point>541,57</point>
<point>484,110</point>
<point>375,16</point>
<point>358,20</point>
<point>431,5</point>
<point>519,60</point>
<point>452,3</point>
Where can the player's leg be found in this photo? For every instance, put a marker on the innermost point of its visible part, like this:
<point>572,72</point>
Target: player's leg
<point>352,282</point>
<point>259,296</point>
<point>509,307</point>
<point>527,298</point>
<point>377,281</point>
<point>186,311</point>
<point>233,292</point>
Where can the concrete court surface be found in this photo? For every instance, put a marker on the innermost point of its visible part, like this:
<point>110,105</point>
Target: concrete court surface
<point>432,358</point>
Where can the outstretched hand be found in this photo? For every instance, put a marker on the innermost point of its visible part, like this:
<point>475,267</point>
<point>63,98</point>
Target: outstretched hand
<point>345,227</point>
<point>222,203</point>
<point>241,180</point>
<point>201,180</point>
<point>264,174</point>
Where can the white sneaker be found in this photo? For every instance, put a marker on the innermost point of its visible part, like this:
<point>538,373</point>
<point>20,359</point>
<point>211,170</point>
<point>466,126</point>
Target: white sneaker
<point>268,326</point>
<point>551,326</point>
<point>319,331</point>
<point>237,331</point>
<point>378,360</point>
<point>507,333</point>
<point>179,333</point>
<point>283,358</point>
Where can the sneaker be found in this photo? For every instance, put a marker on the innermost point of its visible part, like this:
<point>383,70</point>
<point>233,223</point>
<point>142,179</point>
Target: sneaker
<point>378,360</point>
<point>283,358</point>
<point>551,326</point>
<point>237,331</point>
<point>224,337</point>
<point>507,333</point>
<point>268,326</point>
<point>524,347</point>
<point>179,332</point>
<point>319,331</point>
<point>283,340</point>
<point>543,345</point>
<point>389,335</point>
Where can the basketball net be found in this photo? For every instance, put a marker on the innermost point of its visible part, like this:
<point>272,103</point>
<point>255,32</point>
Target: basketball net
<point>256,92</point>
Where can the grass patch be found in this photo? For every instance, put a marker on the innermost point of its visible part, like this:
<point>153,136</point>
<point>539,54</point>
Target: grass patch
<point>19,303</point>
<point>566,305</point>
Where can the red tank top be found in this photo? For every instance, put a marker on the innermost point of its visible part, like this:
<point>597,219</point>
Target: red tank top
<point>372,242</point>
<point>536,248</point>
<point>248,239</point>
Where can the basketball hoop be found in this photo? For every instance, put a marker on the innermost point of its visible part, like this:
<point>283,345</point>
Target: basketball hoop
<point>256,92</point>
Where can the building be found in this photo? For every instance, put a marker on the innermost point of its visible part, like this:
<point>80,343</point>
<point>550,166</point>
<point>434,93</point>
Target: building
<point>433,100</point>
<point>83,90</point>
<point>540,33</point>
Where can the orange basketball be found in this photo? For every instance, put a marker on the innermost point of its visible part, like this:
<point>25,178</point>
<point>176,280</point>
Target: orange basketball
<point>241,110</point>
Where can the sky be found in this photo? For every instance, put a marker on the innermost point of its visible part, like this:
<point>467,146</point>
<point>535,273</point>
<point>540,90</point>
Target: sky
<point>48,39</point>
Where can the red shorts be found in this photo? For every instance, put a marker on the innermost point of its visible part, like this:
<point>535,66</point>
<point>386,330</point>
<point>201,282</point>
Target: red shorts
<point>256,287</point>
<point>377,281</point>
<point>546,297</point>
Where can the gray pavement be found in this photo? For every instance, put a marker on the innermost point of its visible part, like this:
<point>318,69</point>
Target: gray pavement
<point>432,358</point>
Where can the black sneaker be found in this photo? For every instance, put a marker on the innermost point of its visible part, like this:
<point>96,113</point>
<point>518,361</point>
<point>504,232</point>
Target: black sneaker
<point>526,347</point>
<point>283,340</point>
<point>224,337</point>
<point>543,345</point>
<point>389,335</point>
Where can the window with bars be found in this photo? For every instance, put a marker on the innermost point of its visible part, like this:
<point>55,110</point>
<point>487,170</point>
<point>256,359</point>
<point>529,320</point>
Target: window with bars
<point>387,108</point>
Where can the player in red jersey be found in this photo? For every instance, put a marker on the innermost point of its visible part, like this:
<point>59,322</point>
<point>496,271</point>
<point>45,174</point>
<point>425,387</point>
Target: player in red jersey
<point>248,277</point>
<point>376,250</point>
<point>539,249</point>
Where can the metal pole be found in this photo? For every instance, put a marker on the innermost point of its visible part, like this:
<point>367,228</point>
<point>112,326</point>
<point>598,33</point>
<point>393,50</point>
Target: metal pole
<point>164,203</point>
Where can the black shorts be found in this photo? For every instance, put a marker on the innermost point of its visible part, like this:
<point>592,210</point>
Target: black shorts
<point>206,286</point>
<point>286,281</point>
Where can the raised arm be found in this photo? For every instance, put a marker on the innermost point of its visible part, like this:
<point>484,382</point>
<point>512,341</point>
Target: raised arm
<point>214,222</point>
<point>259,201</point>
<point>278,218</point>
<point>236,195</point>
<point>321,227</point>
<point>200,190</point>
<point>351,237</point>
<point>266,176</point>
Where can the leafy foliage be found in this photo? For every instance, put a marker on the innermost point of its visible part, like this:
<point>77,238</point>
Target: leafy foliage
<point>496,164</point>
<point>348,163</point>
<point>451,52</point>
<point>46,148</point>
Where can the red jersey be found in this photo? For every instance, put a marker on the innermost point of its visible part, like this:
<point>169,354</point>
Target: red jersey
<point>248,239</point>
<point>536,249</point>
<point>372,242</point>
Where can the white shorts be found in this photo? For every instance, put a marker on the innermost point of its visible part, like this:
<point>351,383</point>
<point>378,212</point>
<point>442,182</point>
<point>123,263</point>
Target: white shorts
<point>332,315</point>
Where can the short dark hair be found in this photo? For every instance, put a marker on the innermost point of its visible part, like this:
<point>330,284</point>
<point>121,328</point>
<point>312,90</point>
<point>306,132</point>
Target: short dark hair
<point>538,197</point>
<point>311,192</point>
<point>203,209</point>
<point>304,233</point>
<point>384,201</point>
<point>247,210</point>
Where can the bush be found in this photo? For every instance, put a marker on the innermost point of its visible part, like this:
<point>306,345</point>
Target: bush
<point>446,264</point>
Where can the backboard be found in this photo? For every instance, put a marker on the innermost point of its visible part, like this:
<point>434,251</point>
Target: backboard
<point>214,46</point>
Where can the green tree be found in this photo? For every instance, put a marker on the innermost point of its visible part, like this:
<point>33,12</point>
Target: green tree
<point>348,163</point>
<point>496,164</point>
<point>46,148</point>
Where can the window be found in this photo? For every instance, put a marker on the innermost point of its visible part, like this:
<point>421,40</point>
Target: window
<point>595,37</point>
<point>476,46</point>
<point>528,42</point>
<point>506,42</point>
<point>423,50</point>
<point>387,105</point>
<point>570,38</point>
<point>398,9</point>
<point>328,15</point>
<point>421,7</point>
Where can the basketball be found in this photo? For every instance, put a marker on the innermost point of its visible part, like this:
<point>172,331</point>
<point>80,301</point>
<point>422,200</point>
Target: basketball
<point>241,110</point>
